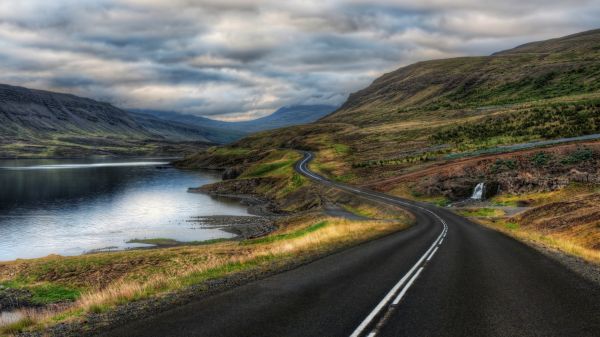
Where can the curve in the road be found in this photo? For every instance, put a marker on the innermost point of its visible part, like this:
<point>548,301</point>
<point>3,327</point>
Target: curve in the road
<point>477,282</point>
<point>391,300</point>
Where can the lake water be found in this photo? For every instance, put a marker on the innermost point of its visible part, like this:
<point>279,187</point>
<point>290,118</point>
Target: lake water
<point>70,207</point>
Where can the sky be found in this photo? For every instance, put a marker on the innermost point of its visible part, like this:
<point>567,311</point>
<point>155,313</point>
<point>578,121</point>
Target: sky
<point>234,60</point>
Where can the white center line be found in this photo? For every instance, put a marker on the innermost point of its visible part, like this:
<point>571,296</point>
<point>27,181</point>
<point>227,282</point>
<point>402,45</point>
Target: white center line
<point>397,300</point>
<point>432,253</point>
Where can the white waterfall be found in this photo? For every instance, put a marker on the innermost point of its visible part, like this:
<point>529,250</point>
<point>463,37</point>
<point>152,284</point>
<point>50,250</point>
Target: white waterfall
<point>478,192</point>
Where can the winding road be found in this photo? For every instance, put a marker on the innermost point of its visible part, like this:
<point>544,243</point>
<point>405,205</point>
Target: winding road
<point>445,276</point>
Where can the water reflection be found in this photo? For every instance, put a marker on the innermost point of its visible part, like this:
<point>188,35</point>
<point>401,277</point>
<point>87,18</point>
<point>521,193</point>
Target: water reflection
<point>97,204</point>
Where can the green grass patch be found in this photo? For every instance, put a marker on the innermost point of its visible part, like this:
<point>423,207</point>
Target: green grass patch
<point>53,293</point>
<point>297,180</point>
<point>260,170</point>
<point>294,183</point>
<point>511,225</point>
<point>341,149</point>
<point>231,151</point>
<point>345,178</point>
<point>45,293</point>
<point>226,269</point>
<point>545,121</point>
<point>438,201</point>
<point>287,236</point>
<point>481,212</point>
<point>156,241</point>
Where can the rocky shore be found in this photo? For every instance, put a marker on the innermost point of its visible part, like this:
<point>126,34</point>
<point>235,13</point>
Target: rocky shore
<point>246,227</point>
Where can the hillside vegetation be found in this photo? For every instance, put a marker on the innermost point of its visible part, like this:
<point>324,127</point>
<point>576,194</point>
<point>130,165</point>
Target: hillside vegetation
<point>417,115</point>
<point>432,130</point>
<point>539,70</point>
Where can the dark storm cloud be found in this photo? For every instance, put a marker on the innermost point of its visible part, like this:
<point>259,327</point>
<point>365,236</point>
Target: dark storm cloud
<point>242,59</point>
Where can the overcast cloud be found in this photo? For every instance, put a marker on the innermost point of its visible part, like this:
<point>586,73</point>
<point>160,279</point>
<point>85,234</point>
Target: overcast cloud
<point>243,59</point>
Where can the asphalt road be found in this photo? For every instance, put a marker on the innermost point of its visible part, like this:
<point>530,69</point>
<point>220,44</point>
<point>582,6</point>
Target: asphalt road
<point>445,276</point>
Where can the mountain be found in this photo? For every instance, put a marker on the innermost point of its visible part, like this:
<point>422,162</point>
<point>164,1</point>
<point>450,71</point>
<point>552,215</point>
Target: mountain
<point>522,124</point>
<point>538,70</point>
<point>41,123</point>
<point>285,116</point>
<point>216,131</point>
<point>427,112</point>
<point>184,131</point>
<point>35,112</point>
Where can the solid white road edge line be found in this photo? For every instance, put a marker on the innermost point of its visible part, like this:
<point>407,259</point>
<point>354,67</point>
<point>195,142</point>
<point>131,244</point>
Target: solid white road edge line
<point>432,253</point>
<point>363,325</point>
<point>399,297</point>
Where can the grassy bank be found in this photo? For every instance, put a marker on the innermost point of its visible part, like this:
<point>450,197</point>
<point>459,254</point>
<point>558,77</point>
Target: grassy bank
<point>541,238</point>
<point>567,220</point>
<point>96,283</point>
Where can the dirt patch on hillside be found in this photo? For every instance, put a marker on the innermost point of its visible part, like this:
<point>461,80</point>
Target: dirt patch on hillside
<point>538,170</point>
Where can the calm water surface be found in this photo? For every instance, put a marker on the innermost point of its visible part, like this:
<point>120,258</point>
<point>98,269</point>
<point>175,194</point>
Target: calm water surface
<point>70,207</point>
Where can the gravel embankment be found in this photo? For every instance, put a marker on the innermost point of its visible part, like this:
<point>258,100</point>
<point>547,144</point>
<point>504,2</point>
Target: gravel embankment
<point>246,227</point>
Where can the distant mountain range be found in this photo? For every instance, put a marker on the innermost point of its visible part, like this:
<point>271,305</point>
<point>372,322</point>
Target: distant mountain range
<point>285,116</point>
<point>37,123</point>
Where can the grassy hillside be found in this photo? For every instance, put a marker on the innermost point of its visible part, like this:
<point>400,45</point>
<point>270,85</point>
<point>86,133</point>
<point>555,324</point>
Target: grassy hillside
<point>36,123</point>
<point>420,131</point>
<point>418,115</point>
<point>541,70</point>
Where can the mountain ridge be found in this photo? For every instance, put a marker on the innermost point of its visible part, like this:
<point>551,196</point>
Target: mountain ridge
<point>40,123</point>
<point>282,117</point>
<point>562,66</point>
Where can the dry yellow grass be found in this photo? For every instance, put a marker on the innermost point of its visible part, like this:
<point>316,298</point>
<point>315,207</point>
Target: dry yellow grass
<point>169,269</point>
<point>535,237</point>
<point>542,198</point>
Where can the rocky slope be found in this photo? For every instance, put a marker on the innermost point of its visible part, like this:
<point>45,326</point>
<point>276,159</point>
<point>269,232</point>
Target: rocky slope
<point>26,112</point>
<point>538,170</point>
